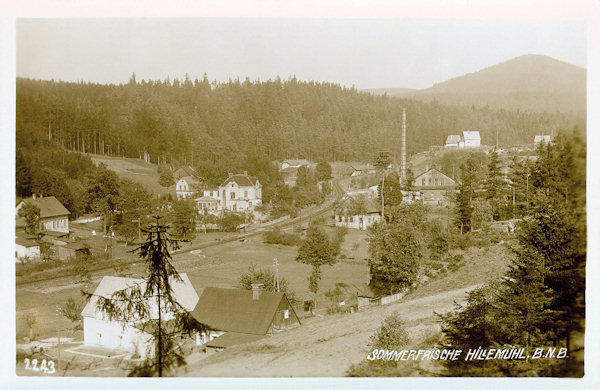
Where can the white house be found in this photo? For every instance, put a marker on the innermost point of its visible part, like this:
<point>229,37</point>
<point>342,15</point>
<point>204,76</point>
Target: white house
<point>26,248</point>
<point>471,139</point>
<point>358,213</point>
<point>468,139</point>
<point>294,164</point>
<point>238,193</point>
<point>53,215</point>
<point>186,187</point>
<point>128,336</point>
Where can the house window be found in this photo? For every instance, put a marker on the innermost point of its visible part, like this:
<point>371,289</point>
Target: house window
<point>246,194</point>
<point>232,195</point>
<point>286,314</point>
<point>429,181</point>
<point>423,181</point>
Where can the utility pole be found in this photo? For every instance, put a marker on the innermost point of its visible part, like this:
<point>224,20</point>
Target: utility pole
<point>139,229</point>
<point>58,310</point>
<point>276,281</point>
<point>403,158</point>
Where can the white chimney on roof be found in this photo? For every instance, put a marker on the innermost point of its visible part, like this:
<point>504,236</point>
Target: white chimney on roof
<point>256,290</point>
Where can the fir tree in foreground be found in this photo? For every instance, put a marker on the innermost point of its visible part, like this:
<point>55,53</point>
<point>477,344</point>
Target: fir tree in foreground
<point>541,300</point>
<point>152,307</point>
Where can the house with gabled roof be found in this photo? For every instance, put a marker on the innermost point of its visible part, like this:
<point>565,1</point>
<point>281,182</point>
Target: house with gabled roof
<point>434,186</point>
<point>184,171</point>
<point>294,164</point>
<point>99,330</point>
<point>358,212</point>
<point>186,187</point>
<point>452,141</point>
<point>240,316</point>
<point>471,139</point>
<point>238,193</point>
<point>54,216</point>
<point>468,139</point>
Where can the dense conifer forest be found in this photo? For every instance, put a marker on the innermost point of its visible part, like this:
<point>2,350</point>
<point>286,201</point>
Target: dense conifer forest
<point>218,126</point>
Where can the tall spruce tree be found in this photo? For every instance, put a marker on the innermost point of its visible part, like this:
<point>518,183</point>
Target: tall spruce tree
<point>466,192</point>
<point>495,186</point>
<point>153,308</point>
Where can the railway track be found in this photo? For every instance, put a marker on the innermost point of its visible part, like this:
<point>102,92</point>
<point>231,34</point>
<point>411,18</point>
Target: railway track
<point>338,191</point>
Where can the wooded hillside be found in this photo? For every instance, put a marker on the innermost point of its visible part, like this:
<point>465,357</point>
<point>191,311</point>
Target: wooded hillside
<point>219,126</point>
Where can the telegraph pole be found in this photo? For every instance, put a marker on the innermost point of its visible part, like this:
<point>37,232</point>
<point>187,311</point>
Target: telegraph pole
<point>276,281</point>
<point>403,158</point>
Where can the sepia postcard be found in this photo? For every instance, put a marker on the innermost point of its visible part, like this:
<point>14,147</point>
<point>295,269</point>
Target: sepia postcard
<point>272,198</point>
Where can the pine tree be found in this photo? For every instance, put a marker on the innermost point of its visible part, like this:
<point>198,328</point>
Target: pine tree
<point>495,185</point>
<point>466,192</point>
<point>541,299</point>
<point>154,307</point>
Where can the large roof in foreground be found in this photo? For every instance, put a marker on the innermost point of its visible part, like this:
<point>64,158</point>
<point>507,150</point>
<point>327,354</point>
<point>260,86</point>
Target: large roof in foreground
<point>235,310</point>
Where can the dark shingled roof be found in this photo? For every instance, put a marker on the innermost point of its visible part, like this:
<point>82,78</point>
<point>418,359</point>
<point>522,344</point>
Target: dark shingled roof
<point>234,310</point>
<point>241,180</point>
<point>49,206</point>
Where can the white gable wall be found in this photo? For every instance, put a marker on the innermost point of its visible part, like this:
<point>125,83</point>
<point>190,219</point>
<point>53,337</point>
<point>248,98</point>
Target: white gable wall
<point>111,334</point>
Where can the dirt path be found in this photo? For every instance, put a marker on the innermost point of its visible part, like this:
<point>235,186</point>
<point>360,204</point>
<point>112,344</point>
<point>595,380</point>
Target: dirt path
<point>324,346</point>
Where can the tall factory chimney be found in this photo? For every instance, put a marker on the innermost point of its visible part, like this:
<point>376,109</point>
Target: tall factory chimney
<point>403,157</point>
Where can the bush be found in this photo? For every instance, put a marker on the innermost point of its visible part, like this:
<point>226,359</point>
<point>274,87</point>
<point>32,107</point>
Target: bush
<point>276,237</point>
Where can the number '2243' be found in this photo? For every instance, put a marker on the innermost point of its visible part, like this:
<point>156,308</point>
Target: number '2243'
<point>45,367</point>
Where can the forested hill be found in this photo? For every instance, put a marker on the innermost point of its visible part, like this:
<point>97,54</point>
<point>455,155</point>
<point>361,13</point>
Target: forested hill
<point>219,126</point>
<point>533,83</point>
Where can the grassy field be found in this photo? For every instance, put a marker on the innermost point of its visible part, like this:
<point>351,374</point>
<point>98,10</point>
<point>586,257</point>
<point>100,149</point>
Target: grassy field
<point>318,340</point>
<point>135,170</point>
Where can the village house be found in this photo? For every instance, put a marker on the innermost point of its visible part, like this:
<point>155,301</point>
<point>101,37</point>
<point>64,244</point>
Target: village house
<point>453,142</point>
<point>359,212</point>
<point>468,139</point>
<point>434,186</point>
<point>26,248</point>
<point>472,139</point>
<point>363,169</point>
<point>54,217</point>
<point>294,164</point>
<point>186,187</point>
<point>98,330</point>
<point>184,171</point>
<point>239,193</point>
<point>239,316</point>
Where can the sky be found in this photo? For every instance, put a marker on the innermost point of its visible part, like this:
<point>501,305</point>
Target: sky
<point>364,53</point>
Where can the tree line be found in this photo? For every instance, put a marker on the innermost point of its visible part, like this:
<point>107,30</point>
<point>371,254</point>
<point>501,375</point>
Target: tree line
<point>217,127</point>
